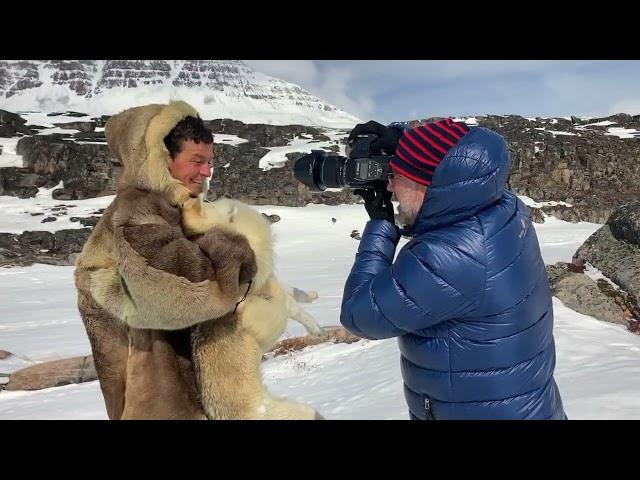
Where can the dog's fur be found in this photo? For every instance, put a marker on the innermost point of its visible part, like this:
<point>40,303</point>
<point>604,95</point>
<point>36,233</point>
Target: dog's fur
<point>262,317</point>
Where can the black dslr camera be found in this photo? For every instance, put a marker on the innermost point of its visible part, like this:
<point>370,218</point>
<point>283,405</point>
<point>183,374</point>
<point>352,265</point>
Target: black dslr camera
<point>320,170</point>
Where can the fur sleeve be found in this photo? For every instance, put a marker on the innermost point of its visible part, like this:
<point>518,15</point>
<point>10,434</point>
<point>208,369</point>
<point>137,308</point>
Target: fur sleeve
<point>172,281</point>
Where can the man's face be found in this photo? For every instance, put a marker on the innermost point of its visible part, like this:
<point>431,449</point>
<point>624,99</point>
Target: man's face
<point>409,195</point>
<point>192,165</point>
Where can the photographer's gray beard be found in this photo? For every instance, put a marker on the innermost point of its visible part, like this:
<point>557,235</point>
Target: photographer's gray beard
<point>407,214</point>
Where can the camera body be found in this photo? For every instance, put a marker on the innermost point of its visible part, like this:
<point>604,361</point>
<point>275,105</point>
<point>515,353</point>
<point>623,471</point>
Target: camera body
<point>320,170</point>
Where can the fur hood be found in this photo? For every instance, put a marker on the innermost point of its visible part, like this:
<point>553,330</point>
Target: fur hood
<point>136,137</point>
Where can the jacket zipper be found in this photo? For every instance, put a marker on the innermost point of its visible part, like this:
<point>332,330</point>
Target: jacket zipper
<point>427,407</point>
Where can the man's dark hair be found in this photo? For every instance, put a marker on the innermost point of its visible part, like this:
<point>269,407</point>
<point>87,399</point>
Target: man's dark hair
<point>191,128</point>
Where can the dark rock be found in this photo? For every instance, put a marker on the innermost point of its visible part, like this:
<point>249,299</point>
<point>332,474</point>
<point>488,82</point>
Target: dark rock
<point>69,113</point>
<point>563,212</point>
<point>624,223</point>
<point>618,258</point>
<point>70,240</point>
<point>20,182</point>
<point>8,131</point>
<point>37,240</point>
<point>32,247</point>
<point>243,180</point>
<point>90,137</point>
<point>262,134</point>
<point>88,170</point>
<point>81,126</point>
<point>12,124</point>
<point>89,221</point>
<point>271,218</point>
<point>62,194</point>
<point>10,118</point>
<point>536,215</point>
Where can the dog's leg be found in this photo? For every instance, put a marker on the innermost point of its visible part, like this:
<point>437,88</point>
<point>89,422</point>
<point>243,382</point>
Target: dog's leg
<point>297,313</point>
<point>302,296</point>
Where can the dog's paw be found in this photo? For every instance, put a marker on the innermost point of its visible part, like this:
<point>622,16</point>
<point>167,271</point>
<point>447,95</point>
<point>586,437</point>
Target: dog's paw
<point>319,332</point>
<point>304,296</point>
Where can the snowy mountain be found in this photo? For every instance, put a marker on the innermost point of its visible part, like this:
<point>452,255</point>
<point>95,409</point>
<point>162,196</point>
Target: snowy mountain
<point>216,88</point>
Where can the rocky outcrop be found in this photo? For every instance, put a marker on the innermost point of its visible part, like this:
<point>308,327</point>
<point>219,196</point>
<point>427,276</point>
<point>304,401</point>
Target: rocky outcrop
<point>615,256</point>
<point>591,171</point>
<point>239,177</point>
<point>614,250</point>
<point>596,298</point>
<point>58,248</point>
<point>12,125</point>
<point>22,182</point>
<point>87,170</point>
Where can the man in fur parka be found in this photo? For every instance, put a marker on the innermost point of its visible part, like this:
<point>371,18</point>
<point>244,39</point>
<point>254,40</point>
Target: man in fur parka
<point>135,295</point>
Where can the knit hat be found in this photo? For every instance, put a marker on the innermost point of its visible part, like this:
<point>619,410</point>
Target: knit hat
<point>421,149</point>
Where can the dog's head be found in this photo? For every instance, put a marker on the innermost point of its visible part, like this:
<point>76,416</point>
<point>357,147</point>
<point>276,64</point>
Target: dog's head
<point>238,217</point>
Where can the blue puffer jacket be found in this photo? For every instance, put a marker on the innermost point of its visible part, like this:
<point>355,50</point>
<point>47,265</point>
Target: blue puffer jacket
<point>468,296</point>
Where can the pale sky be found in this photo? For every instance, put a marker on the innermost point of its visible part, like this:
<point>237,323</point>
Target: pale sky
<point>389,90</point>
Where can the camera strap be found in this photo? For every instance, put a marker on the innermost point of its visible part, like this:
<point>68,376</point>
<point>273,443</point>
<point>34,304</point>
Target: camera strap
<point>406,232</point>
<point>243,298</point>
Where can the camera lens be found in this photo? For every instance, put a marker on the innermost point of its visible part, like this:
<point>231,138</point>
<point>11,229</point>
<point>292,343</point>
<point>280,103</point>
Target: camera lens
<point>332,171</point>
<point>307,170</point>
<point>320,171</point>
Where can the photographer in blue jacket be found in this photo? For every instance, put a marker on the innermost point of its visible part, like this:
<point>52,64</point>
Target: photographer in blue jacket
<point>468,296</point>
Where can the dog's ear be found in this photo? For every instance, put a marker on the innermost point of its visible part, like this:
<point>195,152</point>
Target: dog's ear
<point>194,219</point>
<point>193,206</point>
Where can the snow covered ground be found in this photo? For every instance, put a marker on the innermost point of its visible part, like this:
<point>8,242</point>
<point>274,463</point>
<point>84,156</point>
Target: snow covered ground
<point>598,364</point>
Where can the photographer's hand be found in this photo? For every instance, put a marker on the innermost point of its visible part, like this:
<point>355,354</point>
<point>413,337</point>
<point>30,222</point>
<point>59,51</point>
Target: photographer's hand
<point>377,202</point>
<point>387,137</point>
